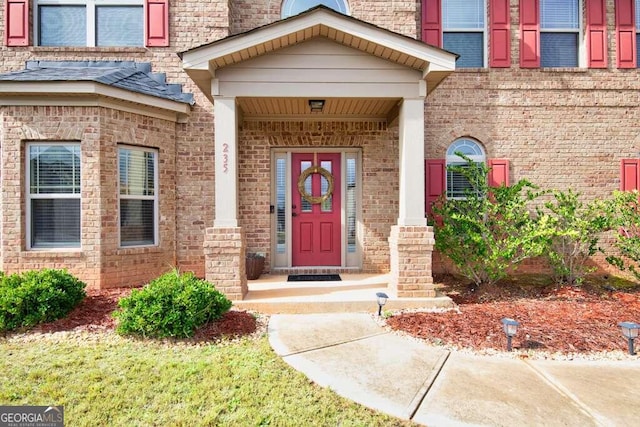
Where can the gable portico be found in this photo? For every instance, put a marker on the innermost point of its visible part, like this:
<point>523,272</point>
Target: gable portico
<point>363,74</point>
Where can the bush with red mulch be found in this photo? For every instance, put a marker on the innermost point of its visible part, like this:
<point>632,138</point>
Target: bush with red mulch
<point>553,319</point>
<point>95,314</point>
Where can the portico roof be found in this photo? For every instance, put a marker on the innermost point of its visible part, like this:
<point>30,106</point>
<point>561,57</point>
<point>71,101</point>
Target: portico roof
<point>202,62</point>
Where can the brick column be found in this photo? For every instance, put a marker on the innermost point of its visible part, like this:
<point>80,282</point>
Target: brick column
<point>410,249</point>
<point>224,252</point>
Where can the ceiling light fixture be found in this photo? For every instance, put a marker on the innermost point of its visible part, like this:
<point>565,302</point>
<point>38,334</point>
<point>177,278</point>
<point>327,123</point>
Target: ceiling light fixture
<point>316,105</point>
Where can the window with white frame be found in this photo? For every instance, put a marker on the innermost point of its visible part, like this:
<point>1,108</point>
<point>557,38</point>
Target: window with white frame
<point>53,195</point>
<point>559,33</point>
<point>138,194</point>
<point>464,31</point>
<point>294,7</point>
<point>89,22</point>
<point>457,184</point>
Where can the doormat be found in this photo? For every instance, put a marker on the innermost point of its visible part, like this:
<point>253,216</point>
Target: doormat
<point>313,278</point>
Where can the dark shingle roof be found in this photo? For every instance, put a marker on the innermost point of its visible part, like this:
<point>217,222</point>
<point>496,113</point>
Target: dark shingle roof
<point>128,75</point>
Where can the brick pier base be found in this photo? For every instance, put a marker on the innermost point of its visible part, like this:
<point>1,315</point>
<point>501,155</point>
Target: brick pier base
<point>411,248</point>
<point>224,252</point>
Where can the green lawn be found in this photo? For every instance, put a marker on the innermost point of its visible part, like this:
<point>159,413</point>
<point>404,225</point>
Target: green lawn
<point>103,379</point>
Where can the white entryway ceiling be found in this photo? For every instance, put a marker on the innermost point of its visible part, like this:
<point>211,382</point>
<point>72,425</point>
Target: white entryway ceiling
<point>334,108</point>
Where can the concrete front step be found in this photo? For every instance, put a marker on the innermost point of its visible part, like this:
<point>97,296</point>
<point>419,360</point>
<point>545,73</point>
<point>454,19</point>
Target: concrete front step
<point>273,294</point>
<point>306,306</point>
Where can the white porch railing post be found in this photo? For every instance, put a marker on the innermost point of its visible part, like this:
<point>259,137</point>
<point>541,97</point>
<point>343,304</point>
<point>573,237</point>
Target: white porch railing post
<point>226,166</point>
<point>411,123</point>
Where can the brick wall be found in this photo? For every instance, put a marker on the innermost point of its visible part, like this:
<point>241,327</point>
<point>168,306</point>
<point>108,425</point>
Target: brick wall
<point>21,124</point>
<point>559,133</point>
<point>565,131</point>
<point>192,23</point>
<point>136,266</point>
<point>401,16</point>
<point>561,129</point>
<point>99,262</point>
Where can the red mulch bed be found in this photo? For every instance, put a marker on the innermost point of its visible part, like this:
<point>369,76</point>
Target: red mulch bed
<point>566,319</point>
<point>94,314</point>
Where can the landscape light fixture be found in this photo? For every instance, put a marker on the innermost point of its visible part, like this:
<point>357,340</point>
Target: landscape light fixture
<point>510,328</point>
<point>630,332</point>
<point>382,300</point>
<point>316,105</point>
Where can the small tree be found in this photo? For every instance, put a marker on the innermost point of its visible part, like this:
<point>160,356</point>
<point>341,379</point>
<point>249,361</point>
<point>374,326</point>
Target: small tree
<point>576,230</point>
<point>624,216</point>
<point>490,230</point>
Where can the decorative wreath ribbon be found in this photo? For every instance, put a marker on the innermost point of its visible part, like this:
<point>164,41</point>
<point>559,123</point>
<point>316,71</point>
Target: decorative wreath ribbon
<point>303,191</point>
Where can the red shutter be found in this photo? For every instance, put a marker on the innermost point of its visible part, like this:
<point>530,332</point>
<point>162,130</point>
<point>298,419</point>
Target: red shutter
<point>529,34</point>
<point>435,179</point>
<point>626,34</point>
<point>500,34</point>
<point>16,23</point>
<point>157,25</point>
<point>432,22</point>
<point>597,33</point>
<point>629,174</point>
<point>498,172</point>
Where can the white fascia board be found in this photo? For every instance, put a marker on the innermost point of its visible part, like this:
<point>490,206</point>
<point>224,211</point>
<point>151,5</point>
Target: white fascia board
<point>85,88</point>
<point>397,42</point>
<point>199,58</point>
<point>439,67</point>
<point>91,101</point>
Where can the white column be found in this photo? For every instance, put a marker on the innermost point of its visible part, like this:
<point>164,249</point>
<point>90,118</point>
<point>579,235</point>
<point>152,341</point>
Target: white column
<point>411,122</point>
<point>226,168</point>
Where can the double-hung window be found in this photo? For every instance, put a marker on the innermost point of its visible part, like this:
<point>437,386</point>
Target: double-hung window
<point>89,23</point>
<point>138,194</point>
<point>559,33</point>
<point>53,195</point>
<point>464,31</point>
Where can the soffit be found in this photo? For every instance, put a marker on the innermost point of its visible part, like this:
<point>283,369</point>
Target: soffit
<point>320,30</point>
<point>334,108</point>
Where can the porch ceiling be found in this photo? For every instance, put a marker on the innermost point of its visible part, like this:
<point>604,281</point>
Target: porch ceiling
<point>202,62</point>
<point>334,108</point>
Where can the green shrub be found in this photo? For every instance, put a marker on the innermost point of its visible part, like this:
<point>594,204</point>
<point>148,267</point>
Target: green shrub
<point>37,296</point>
<point>624,216</point>
<point>490,230</point>
<point>576,230</point>
<point>173,305</point>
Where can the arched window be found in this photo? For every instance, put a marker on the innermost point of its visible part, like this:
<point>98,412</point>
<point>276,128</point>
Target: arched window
<point>457,183</point>
<point>294,7</point>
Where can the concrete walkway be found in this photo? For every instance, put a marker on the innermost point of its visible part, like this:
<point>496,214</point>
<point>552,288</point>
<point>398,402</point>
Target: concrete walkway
<point>406,378</point>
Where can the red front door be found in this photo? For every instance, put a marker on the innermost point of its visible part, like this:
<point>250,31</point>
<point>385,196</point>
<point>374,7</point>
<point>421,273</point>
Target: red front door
<point>316,209</point>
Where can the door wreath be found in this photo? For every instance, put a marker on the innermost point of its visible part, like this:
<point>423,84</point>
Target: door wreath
<point>303,177</point>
